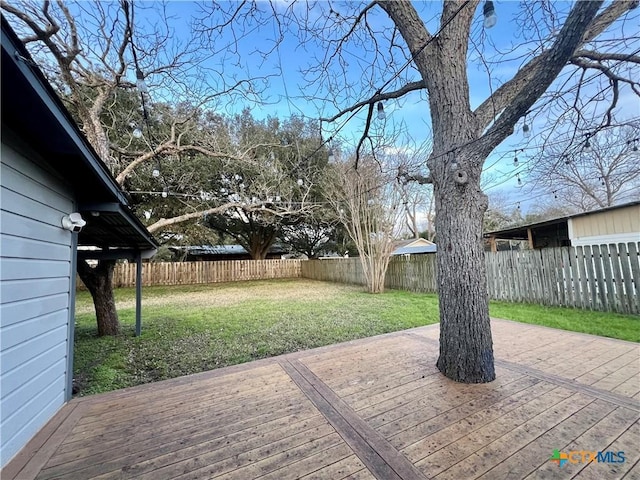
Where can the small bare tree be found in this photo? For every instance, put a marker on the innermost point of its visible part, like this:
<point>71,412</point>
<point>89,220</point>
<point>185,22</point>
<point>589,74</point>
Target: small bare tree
<point>368,203</point>
<point>597,174</point>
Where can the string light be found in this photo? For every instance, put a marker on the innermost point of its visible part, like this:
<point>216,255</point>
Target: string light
<point>519,179</point>
<point>140,83</point>
<point>381,114</point>
<point>526,131</point>
<point>137,133</point>
<point>587,143</point>
<point>165,192</point>
<point>490,17</point>
<point>156,172</point>
<point>331,158</point>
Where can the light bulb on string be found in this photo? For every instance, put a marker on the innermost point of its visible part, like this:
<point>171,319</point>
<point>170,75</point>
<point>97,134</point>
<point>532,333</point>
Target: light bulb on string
<point>300,182</point>
<point>381,114</point>
<point>587,143</point>
<point>155,173</point>
<point>526,131</point>
<point>519,179</point>
<point>489,12</point>
<point>137,133</point>
<point>331,158</point>
<point>140,83</point>
<point>165,192</point>
<point>515,161</point>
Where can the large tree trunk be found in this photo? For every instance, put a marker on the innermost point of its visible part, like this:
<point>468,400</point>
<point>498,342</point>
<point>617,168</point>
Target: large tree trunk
<point>99,282</point>
<point>466,347</point>
<point>260,242</point>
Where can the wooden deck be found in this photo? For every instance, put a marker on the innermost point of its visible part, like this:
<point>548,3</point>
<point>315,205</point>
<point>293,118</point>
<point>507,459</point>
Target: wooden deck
<point>372,408</point>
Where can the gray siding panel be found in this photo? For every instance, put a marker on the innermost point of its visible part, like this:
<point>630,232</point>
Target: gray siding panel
<point>31,387</point>
<point>30,229</point>
<point>16,290</point>
<point>20,204</point>
<point>35,279</point>
<point>15,379</point>
<point>15,247</point>
<point>15,334</point>
<point>16,356</point>
<point>19,311</point>
<point>38,191</point>
<point>28,269</point>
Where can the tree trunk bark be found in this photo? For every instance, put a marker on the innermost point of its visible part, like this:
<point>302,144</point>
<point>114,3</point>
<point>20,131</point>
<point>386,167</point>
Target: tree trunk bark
<point>466,347</point>
<point>99,282</point>
<point>259,244</point>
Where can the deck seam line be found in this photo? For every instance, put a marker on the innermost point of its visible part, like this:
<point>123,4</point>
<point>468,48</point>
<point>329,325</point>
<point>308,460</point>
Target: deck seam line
<point>379,456</point>
<point>571,384</point>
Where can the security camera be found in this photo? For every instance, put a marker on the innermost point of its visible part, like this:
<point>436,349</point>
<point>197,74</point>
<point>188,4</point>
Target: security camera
<point>73,222</point>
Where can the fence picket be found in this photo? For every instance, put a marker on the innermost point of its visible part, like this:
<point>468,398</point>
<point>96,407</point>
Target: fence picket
<point>634,261</point>
<point>604,277</point>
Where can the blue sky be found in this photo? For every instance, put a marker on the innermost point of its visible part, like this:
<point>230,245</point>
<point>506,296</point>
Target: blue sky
<point>286,94</point>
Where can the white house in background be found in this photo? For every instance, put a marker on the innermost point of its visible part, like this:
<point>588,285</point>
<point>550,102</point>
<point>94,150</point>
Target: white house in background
<point>616,224</point>
<point>48,171</point>
<point>415,246</point>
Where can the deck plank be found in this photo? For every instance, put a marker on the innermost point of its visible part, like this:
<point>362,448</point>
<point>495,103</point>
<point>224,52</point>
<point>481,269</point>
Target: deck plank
<point>485,458</point>
<point>628,443</point>
<point>596,438</point>
<point>370,408</point>
<point>537,453</point>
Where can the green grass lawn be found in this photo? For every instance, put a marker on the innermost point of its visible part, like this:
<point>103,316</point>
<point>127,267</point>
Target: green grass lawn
<point>189,329</point>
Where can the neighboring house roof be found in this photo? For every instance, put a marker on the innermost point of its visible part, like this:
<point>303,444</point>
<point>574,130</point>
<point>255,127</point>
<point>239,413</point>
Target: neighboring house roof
<point>521,232</point>
<point>222,249</point>
<point>33,111</point>
<point>414,246</point>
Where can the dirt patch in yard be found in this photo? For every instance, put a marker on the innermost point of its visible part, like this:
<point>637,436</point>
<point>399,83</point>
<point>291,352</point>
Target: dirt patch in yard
<point>228,294</point>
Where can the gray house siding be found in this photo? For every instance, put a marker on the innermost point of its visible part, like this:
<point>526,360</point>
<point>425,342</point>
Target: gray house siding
<point>35,292</point>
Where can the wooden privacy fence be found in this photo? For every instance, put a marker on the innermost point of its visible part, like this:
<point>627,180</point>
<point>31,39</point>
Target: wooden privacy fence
<point>416,273</point>
<point>189,273</point>
<point>598,277</point>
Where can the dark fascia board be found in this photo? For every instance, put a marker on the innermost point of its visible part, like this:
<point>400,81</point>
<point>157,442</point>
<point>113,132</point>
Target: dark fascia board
<point>22,61</point>
<point>115,254</point>
<point>554,221</point>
